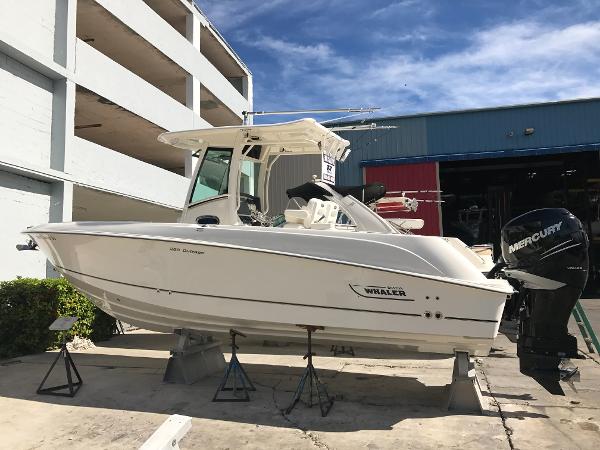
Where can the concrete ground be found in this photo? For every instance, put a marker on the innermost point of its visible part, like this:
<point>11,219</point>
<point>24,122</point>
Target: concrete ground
<point>383,400</point>
<point>591,307</point>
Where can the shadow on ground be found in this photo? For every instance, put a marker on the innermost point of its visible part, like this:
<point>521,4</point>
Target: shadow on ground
<point>364,400</point>
<point>163,341</point>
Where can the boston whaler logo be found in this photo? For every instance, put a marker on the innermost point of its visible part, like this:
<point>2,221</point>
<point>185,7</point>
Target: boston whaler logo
<point>385,292</point>
<point>534,237</point>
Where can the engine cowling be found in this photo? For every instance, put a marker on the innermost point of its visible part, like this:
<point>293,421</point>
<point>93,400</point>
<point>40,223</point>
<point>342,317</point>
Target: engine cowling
<point>545,250</point>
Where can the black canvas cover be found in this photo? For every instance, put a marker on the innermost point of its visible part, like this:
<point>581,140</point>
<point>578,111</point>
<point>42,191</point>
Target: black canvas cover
<point>367,193</point>
<point>307,191</point>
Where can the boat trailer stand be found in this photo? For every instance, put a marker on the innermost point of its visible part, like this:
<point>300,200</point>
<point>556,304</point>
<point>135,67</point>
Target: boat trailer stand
<point>63,324</point>
<point>73,387</point>
<point>193,358</point>
<point>310,375</point>
<point>238,374</point>
<point>464,393</point>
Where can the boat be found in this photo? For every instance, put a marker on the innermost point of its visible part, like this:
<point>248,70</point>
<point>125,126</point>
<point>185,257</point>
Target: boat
<point>331,262</point>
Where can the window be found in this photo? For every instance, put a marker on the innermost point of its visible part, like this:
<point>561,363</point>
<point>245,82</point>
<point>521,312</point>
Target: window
<point>213,176</point>
<point>249,177</point>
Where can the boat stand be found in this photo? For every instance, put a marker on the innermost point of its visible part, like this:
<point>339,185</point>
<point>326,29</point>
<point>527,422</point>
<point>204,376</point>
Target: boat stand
<point>119,328</point>
<point>310,375</point>
<point>238,373</point>
<point>194,357</point>
<point>62,324</point>
<point>464,391</point>
<point>336,350</point>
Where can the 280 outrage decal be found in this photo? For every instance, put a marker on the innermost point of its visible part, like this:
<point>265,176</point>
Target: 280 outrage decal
<point>535,237</point>
<point>383,292</point>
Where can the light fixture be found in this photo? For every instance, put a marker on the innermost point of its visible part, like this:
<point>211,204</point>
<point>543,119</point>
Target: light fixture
<point>345,155</point>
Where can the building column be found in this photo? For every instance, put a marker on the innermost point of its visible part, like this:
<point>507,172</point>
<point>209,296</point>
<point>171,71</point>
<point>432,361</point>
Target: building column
<point>61,210</point>
<point>247,91</point>
<point>192,85</point>
<point>62,139</point>
<point>63,124</point>
<point>65,33</point>
<point>61,201</point>
<point>189,165</point>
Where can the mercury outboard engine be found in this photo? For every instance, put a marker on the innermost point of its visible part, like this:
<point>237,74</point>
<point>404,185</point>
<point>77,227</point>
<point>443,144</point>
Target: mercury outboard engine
<point>545,250</point>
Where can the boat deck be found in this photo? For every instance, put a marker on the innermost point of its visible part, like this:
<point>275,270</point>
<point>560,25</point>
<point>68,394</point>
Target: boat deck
<point>382,401</point>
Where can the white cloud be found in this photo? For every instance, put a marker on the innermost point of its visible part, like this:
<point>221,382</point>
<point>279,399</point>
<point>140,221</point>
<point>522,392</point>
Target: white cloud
<point>402,6</point>
<point>297,58</point>
<point>510,63</point>
<point>231,14</point>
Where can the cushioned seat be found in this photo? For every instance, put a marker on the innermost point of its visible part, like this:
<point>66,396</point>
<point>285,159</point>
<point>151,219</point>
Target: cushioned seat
<point>295,215</point>
<point>317,215</point>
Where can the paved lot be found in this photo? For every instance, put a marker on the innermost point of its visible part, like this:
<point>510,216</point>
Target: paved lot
<point>382,401</point>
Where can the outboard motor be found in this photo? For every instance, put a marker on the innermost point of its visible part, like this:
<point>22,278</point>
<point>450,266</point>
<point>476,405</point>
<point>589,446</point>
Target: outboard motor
<point>545,250</point>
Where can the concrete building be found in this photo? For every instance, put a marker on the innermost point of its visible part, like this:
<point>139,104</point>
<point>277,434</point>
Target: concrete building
<point>85,88</point>
<point>490,165</point>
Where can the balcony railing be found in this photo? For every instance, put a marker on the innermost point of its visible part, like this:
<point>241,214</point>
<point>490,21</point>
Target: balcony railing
<point>138,16</point>
<point>100,74</point>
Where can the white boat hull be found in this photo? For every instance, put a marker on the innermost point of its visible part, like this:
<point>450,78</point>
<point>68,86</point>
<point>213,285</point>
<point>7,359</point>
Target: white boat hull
<point>197,282</point>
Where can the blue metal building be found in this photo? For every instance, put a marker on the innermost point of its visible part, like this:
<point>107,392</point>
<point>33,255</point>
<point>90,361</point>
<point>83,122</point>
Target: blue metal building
<point>559,127</point>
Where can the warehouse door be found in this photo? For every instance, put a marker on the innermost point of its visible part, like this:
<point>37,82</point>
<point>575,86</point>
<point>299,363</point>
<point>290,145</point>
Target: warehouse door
<point>481,196</point>
<point>423,180</point>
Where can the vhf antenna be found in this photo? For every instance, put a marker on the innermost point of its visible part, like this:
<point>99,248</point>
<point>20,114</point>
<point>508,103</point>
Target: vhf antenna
<point>247,114</point>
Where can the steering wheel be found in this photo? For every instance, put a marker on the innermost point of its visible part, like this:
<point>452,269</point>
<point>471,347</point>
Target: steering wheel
<point>249,205</point>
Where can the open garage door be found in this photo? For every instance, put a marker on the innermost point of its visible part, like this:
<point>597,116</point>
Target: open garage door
<point>480,196</point>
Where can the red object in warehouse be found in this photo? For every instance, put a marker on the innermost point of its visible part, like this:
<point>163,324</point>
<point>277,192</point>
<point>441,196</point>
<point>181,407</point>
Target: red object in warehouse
<point>412,177</point>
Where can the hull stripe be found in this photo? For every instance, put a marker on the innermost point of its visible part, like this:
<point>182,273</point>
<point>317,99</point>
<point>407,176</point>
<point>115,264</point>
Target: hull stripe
<point>270,301</point>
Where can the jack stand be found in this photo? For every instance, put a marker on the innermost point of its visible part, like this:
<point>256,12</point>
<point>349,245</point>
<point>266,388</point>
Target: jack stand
<point>73,387</point>
<point>335,349</point>
<point>119,328</point>
<point>238,374</point>
<point>465,392</point>
<point>325,402</point>
<point>193,358</point>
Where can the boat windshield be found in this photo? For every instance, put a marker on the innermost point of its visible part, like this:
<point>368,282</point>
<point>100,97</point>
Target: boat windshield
<point>213,176</point>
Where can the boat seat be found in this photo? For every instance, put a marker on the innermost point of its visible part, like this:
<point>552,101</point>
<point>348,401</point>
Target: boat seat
<point>296,216</point>
<point>317,215</point>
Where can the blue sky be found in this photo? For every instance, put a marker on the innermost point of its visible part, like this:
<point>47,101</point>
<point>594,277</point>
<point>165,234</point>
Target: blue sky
<point>409,56</point>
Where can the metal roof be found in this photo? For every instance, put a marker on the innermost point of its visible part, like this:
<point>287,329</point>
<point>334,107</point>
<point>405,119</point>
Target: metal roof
<point>531,129</point>
<point>467,110</point>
